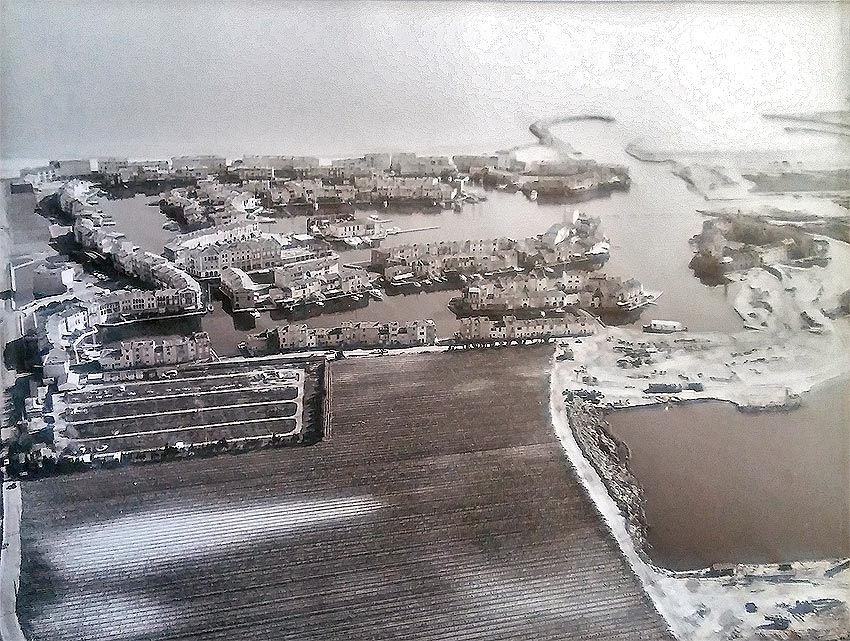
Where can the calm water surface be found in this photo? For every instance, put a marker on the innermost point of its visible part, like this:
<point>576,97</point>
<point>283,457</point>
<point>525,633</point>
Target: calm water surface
<point>725,486</point>
<point>649,227</point>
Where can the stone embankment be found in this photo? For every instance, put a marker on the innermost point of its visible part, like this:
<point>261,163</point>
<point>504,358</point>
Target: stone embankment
<point>541,129</point>
<point>610,458</point>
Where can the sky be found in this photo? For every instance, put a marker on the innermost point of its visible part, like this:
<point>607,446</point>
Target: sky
<point>156,78</point>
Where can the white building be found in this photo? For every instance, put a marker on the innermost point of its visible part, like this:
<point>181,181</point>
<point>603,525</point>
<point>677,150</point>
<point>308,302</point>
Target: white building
<point>38,176</point>
<point>71,168</point>
<point>189,165</point>
<point>363,334</point>
<point>155,352</point>
<point>243,292</point>
<point>509,328</point>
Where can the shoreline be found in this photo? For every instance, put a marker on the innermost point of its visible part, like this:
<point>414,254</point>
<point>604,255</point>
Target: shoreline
<point>695,605</point>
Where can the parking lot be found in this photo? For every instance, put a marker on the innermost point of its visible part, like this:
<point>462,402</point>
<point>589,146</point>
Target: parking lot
<point>190,405</point>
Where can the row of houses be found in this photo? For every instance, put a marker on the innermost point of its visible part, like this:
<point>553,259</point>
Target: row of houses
<point>362,334</point>
<point>271,167</point>
<point>363,189</point>
<point>239,244</point>
<point>540,291</point>
<point>173,290</point>
<point>481,329</point>
<point>563,244</point>
<point>404,164</point>
<point>153,352</point>
<point>124,170</point>
<point>533,290</point>
<point>598,178</point>
<point>314,280</point>
<point>431,260</point>
<point>477,163</point>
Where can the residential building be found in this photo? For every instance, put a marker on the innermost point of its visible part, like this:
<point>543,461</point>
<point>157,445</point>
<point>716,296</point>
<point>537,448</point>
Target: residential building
<point>429,260</point>
<point>363,334</point>
<point>358,227</point>
<point>469,163</point>
<point>242,292</point>
<point>38,176</point>
<point>244,172</point>
<point>111,165</point>
<point>484,329</point>
<point>177,249</point>
<point>253,254</point>
<point>367,165</point>
<point>53,277</point>
<point>408,164</point>
<point>71,168</point>
<point>188,165</point>
<point>283,163</point>
<point>170,350</point>
<point>312,263</point>
<point>379,188</point>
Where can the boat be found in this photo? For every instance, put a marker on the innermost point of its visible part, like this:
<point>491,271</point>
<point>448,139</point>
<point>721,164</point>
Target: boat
<point>664,327</point>
<point>645,298</point>
<point>377,294</point>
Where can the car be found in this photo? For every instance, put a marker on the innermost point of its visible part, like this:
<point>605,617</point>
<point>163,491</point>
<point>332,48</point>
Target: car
<point>170,373</point>
<point>11,486</point>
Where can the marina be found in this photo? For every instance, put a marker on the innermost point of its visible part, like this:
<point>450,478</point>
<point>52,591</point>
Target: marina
<point>425,321</point>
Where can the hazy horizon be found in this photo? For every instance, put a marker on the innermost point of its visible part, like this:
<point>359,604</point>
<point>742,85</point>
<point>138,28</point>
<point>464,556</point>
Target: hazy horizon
<point>88,79</point>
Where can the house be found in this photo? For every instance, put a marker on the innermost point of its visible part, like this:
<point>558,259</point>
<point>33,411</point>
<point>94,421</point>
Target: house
<point>171,350</point>
<point>241,290</point>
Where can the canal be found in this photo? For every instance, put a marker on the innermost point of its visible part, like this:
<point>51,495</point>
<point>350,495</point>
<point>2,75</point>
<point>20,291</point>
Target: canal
<point>649,227</point>
<point>720,485</point>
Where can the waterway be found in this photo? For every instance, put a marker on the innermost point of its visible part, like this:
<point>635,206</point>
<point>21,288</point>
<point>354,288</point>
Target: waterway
<point>726,486</point>
<point>658,206</point>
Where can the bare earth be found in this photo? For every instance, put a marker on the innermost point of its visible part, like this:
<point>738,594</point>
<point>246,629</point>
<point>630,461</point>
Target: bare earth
<point>442,507</point>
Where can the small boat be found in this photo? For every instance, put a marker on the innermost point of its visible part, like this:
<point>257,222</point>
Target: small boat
<point>664,327</point>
